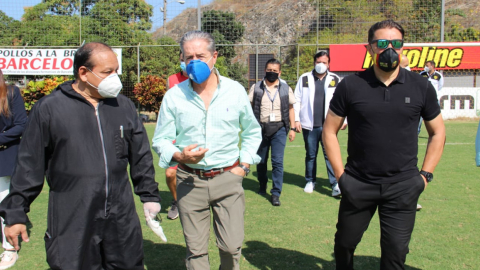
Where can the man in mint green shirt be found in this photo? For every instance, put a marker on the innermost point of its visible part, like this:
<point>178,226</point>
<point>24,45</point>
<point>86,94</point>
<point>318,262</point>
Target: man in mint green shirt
<point>208,116</point>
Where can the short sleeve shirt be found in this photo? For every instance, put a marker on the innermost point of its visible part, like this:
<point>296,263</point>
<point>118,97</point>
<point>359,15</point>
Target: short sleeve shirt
<point>383,123</point>
<point>266,107</point>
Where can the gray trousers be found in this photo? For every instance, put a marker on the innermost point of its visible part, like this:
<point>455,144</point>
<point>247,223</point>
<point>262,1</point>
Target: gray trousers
<point>224,196</point>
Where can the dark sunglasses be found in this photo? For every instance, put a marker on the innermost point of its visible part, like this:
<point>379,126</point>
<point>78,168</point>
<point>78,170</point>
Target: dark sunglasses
<point>383,43</point>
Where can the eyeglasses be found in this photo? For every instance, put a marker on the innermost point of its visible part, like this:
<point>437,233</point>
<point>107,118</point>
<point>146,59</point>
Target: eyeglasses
<point>383,43</point>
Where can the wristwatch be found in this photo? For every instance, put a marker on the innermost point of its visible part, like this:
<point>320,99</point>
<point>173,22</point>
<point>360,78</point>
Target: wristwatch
<point>294,129</point>
<point>428,175</point>
<point>247,170</point>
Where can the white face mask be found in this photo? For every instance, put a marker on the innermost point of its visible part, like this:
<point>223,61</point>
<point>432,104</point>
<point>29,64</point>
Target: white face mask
<point>321,68</point>
<point>426,69</point>
<point>109,87</point>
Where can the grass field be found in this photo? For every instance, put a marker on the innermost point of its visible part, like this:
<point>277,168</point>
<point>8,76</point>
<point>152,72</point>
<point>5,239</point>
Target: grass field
<point>299,234</point>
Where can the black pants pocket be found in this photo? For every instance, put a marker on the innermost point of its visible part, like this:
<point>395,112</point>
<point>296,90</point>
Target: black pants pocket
<point>51,248</point>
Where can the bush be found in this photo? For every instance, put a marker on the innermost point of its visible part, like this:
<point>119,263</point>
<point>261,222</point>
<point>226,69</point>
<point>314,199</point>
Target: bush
<point>150,91</point>
<point>36,90</point>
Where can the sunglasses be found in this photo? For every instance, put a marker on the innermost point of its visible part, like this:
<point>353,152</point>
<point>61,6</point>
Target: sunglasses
<point>383,43</point>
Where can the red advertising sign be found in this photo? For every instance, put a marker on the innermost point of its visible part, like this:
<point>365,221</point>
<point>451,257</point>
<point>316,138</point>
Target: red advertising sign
<point>354,57</point>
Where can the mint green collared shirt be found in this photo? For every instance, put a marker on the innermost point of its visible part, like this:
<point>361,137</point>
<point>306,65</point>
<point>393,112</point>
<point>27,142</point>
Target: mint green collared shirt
<point>228,120</point>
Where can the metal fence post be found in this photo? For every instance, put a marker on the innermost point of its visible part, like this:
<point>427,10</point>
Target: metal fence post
<point>80,24</point>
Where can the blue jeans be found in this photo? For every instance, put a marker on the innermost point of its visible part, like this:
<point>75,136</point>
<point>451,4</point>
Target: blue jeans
<point>277,142</point>
<point>313,139</point>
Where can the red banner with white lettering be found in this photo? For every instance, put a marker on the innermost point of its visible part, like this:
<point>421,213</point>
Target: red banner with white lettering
<point>41,61</point>
<point>355,57</point>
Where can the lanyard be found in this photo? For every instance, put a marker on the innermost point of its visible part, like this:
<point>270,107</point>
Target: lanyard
<point>269,97</point>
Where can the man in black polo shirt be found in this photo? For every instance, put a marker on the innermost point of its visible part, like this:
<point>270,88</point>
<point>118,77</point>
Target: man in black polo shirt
<point>383,105</point>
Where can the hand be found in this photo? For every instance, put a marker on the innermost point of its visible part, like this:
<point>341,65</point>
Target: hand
<point>291,135</point>
<point>298,127</point>
<point>344,126</point>
<point>151,209</point>
<point>339,175</point>
<point>424,180</point>
<point>13,231</point>
<point>239,171</point>
<point>187,156</point>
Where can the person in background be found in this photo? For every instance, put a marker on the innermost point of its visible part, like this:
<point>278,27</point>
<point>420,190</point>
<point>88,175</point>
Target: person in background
<point>80,139</point>
<point>405,62</point>
<point>313,93</point>
<point>178,77</point>
<point>171,172</point>
<point>13,119</point>
<point>435,77</point>
<point>217,138</point>
<point>272,101</point>
<point>383,105</point>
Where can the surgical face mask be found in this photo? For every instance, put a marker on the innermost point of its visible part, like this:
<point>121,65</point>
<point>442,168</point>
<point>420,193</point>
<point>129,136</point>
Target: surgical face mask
<point>321,68</point>
<point>388,60</point>
<point>109,87</point>
<point>183,66</point>
<point>198,70</point>
<point>426,69</point>
<point>271,76</point>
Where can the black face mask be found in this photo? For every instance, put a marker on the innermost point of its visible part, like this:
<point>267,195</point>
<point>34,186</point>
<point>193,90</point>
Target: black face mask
<point>388,60</point>
<point>271,76</point>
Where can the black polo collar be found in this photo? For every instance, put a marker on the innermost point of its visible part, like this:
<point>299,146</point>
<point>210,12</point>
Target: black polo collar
<point>370,77</point>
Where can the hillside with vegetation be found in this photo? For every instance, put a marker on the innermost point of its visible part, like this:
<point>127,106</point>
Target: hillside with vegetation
<point>339,21</point>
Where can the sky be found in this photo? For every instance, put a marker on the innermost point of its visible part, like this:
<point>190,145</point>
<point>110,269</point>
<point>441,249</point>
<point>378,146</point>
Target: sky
<point>15,8</point>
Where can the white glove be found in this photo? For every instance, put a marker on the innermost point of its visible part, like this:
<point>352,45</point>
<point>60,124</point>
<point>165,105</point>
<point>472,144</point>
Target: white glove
<point>151,209</point>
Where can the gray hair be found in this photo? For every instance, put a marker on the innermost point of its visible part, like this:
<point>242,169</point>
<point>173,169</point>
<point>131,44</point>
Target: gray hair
<point>199,35</point>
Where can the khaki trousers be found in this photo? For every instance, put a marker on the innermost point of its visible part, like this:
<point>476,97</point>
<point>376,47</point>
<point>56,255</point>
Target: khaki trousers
<point>224,196</point>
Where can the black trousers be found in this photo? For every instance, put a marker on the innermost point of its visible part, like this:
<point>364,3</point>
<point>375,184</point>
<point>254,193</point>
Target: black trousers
<point>396,202</point>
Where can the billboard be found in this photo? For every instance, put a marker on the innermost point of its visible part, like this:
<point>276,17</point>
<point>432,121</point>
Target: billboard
<point>448,56</point>
<point>42,61</point>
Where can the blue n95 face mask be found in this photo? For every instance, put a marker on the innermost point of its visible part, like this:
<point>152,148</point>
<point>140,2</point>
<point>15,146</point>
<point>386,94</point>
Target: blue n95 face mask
<point>198,70</point>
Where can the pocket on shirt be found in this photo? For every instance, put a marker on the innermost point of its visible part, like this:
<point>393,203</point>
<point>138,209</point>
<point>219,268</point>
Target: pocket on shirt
<point>122,143</point>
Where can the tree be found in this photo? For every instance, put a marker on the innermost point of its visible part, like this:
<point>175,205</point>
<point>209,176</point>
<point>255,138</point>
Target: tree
<point>226,31</point>
<point>224,28</point>
<point>9,27</point>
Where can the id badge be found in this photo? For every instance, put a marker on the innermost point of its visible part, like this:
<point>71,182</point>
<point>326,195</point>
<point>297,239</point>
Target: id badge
<point>272,117</point>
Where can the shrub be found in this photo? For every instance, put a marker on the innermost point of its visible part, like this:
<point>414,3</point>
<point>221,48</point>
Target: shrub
<point>36,90</point>
<point>149,92</point>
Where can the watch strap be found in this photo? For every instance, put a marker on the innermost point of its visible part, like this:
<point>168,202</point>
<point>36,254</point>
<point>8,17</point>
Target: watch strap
<point>428,175</point>
<point>247,170</point>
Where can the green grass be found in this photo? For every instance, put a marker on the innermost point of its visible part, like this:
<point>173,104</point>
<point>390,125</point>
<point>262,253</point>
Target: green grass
<point>299,234</point>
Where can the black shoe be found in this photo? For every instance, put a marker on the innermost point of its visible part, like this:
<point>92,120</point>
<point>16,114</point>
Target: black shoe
<point>262,192</point>
<point>275,200</point>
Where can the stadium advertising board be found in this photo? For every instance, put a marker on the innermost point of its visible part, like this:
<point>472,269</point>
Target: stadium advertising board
<point>448,56</point>
<point>458,102</point>
<point>41,61</point>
